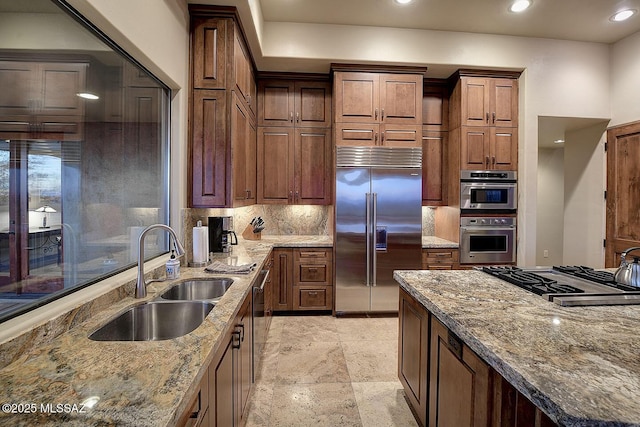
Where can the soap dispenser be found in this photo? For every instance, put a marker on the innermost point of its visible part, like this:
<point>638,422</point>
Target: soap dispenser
<point>173,266</point>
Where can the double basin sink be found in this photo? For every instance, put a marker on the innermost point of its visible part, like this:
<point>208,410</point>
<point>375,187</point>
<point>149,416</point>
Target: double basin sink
<point>178,311</point>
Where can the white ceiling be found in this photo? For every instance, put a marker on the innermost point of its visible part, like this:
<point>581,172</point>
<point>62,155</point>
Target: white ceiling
<point>582,20</point>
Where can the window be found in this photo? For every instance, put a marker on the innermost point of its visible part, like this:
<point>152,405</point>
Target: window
<point>83,156</point>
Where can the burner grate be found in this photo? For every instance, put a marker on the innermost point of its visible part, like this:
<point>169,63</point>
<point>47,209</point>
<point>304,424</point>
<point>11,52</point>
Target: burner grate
<point>530,281</point>
<point>588,273</point>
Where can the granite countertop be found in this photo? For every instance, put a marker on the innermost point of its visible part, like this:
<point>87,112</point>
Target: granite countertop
<point>433,242</point>
<point>138,383</point>
<point>580,365</point>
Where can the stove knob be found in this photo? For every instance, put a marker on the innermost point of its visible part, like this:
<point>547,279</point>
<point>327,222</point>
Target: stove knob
<point>483,221</point>
<point>504,221</point>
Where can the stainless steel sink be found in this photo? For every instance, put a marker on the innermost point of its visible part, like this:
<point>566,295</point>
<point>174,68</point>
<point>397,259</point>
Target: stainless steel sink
<point>154,321</point>
<point>198,289</point>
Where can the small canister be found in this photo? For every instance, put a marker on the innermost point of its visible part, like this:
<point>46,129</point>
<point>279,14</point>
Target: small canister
<point>173,267</point>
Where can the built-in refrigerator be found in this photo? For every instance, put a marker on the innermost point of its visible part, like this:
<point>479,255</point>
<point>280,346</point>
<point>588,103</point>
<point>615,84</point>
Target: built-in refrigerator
<point>378,225</point>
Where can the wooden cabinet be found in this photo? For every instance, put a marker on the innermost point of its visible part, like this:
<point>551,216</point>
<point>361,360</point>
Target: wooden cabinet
<point>440,259</point>
<point>197,414</point>
<point>230,372</point>
<point>413,354</point>
<point>282,274</point>
<point>222,114</point>
<point>459,382</point>
<point>294,103</point>
<point>434,168</point>
<point>378,108</point>
<point>39,100</point>
<point>294,165</point>
<point>484,116</point>
<point>302,279</point>
<point>313,279</point>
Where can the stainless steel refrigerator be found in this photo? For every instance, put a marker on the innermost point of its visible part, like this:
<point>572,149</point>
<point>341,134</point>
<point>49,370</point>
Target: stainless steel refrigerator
<point>378,225</point>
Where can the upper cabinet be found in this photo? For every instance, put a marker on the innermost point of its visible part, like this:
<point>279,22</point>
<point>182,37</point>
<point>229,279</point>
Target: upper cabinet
<point>40,99</point>
<point>294,103</point>
<point>378,108</point>
<point>490,101</point>
<point>223,112</point>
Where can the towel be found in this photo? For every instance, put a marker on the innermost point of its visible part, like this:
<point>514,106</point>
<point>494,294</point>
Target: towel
<point>222,268</point>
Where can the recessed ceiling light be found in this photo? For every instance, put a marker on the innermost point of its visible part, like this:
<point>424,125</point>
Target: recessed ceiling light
<point>403,1</point>
<point>558,141</point>
<point>520,5</point>
<point>623,15</point>
<point>87,95</point>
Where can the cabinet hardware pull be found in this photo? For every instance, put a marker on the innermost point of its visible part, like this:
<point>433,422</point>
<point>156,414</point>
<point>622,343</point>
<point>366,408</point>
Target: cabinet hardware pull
<point>494,117</point>
<point>235,338</point>
<point>291,195</point>
<point>487,161</point>
<point>493,160</point>
<point>375,138</point>
<point>248,194</point>
<point>314,270</point>
<point>241,326</point>
<point>382,115</point>
<point>375,114</point>
<point>487,117</point>
<point>381,137</point>
<point>298,116</point>
<point>297,197</point>
<point>291,116</point>
<point>313,293</point>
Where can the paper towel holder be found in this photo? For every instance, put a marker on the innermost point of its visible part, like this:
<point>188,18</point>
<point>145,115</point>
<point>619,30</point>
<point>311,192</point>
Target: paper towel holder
<point>193,263</point>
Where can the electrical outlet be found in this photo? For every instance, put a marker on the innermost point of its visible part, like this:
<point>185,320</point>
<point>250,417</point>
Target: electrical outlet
<point>545,253</point>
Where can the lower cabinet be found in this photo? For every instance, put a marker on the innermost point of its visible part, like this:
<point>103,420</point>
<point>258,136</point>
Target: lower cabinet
<point>440,259</point>
<point>302,279</point>
<point>447,384</point>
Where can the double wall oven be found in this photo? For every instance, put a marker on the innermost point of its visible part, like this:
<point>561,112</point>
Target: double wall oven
<point>488,204</point>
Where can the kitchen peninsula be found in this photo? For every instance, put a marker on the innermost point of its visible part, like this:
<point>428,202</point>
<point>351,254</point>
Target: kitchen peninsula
<point>577,366</point>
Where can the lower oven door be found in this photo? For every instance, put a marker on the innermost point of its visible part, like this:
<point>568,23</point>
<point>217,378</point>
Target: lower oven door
<point>487,245</point>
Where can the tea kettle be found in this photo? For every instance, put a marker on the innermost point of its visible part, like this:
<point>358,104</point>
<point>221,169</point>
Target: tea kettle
<point>628,273</point>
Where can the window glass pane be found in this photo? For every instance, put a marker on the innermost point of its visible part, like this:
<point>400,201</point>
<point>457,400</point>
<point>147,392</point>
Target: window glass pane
<point>83,156</point>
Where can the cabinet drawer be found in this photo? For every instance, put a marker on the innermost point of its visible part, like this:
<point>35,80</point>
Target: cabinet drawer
<point>314,273</point>
<point>307,298</point>
<point>440,259</point>
<point>313,255</point>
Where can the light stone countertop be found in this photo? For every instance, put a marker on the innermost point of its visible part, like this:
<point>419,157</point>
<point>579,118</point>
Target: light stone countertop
<point>433,242</point>
<point>138,383</point>
<point>580,365</point>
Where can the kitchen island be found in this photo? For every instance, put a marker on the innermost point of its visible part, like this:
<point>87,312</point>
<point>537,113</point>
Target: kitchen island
<point>72,380</point>
<point>578,365</point>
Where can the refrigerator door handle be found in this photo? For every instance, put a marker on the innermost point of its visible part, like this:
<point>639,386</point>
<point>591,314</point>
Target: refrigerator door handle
<point>368,233</point>
<point>374,243</point>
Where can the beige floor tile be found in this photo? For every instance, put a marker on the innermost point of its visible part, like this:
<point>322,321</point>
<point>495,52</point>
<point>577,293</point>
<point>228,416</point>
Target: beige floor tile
<point>322,405</point>
<point>275,330</point>
<point>371,360</point>
<point>311,362</point>
<point>382,404</point>
<point>260,401</point>
<point>266,371</point>
<point>375,328</point>
<point>309,329</point>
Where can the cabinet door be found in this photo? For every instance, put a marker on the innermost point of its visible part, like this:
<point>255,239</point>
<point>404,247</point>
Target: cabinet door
<point>221,388</point>
<point>474,147</point>
<point>59,83</point>
<point>400,136</point>
<point>475,103</point>
<point>433,168</point>
<point>504,103</point>
<point>17,96</point>
<point>276,103</point>
<point>245,353</point>
<point>459,382</point>
<point>312,104</point>
<point>357,97</point>
<point>313,166</point>
<point>504,149</point>
<point>243,152</point>
<point>209,56</point>
<point>435,108</point>
<point>275,165</point>
<point>413,354</point>
<point>242,72</point>
<point>401,99</point>
<point>282,279</point>
<point>209,150</point>
<point>356,134</point>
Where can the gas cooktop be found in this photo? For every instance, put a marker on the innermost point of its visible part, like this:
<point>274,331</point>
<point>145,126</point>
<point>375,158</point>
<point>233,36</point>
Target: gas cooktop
<point>569,285</point>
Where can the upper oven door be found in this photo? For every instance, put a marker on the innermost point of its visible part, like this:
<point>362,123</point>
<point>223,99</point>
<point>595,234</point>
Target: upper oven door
<point>488,196</point>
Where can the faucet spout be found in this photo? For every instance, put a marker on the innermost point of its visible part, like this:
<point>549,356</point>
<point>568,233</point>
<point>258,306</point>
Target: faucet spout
<point>141,285</point>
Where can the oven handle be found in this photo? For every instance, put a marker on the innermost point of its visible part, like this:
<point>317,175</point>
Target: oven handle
<point>487,228</point>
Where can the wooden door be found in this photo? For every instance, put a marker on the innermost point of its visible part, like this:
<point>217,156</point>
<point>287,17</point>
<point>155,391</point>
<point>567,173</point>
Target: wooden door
<point>474,147</point>
<point>435,107</point>
<point>276,162</point>
<point>276,103</point>
<point>413,354</point>
<point>459,382</point>
<point>475,102</point>
<point>357,97</point>
<point>222,403</point>
<point>504,149</point>
<point>401,135</point>
<point>312,150</point>
<point>243,155</point>
<point>209,57</point>
<point>503,99</point>
<point>59,84</point>
<point>17,96</point>
<point>401,99</point>
<point>241,69</point>
<point>208,149</point>
<point>433,168</point>
<point>623,190</point>
<point>245,374</point>
<point>312,104</point>
<point>363,134</point>
<point>282,279</point>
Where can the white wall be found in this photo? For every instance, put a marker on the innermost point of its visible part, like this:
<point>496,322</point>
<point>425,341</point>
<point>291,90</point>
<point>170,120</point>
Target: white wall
<point>156,34</point>
<point>584,206</point>
<point>625,85</point>
<point>550,219</point>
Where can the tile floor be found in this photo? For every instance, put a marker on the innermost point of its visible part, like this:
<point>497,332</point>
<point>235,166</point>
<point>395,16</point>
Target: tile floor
<point>327,371</point>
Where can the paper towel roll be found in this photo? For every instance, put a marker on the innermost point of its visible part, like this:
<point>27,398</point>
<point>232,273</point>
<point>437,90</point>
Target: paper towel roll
<point>200,244</point>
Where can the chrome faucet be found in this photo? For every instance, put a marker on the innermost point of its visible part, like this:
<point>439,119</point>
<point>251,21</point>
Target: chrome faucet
<point>141,285</point>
